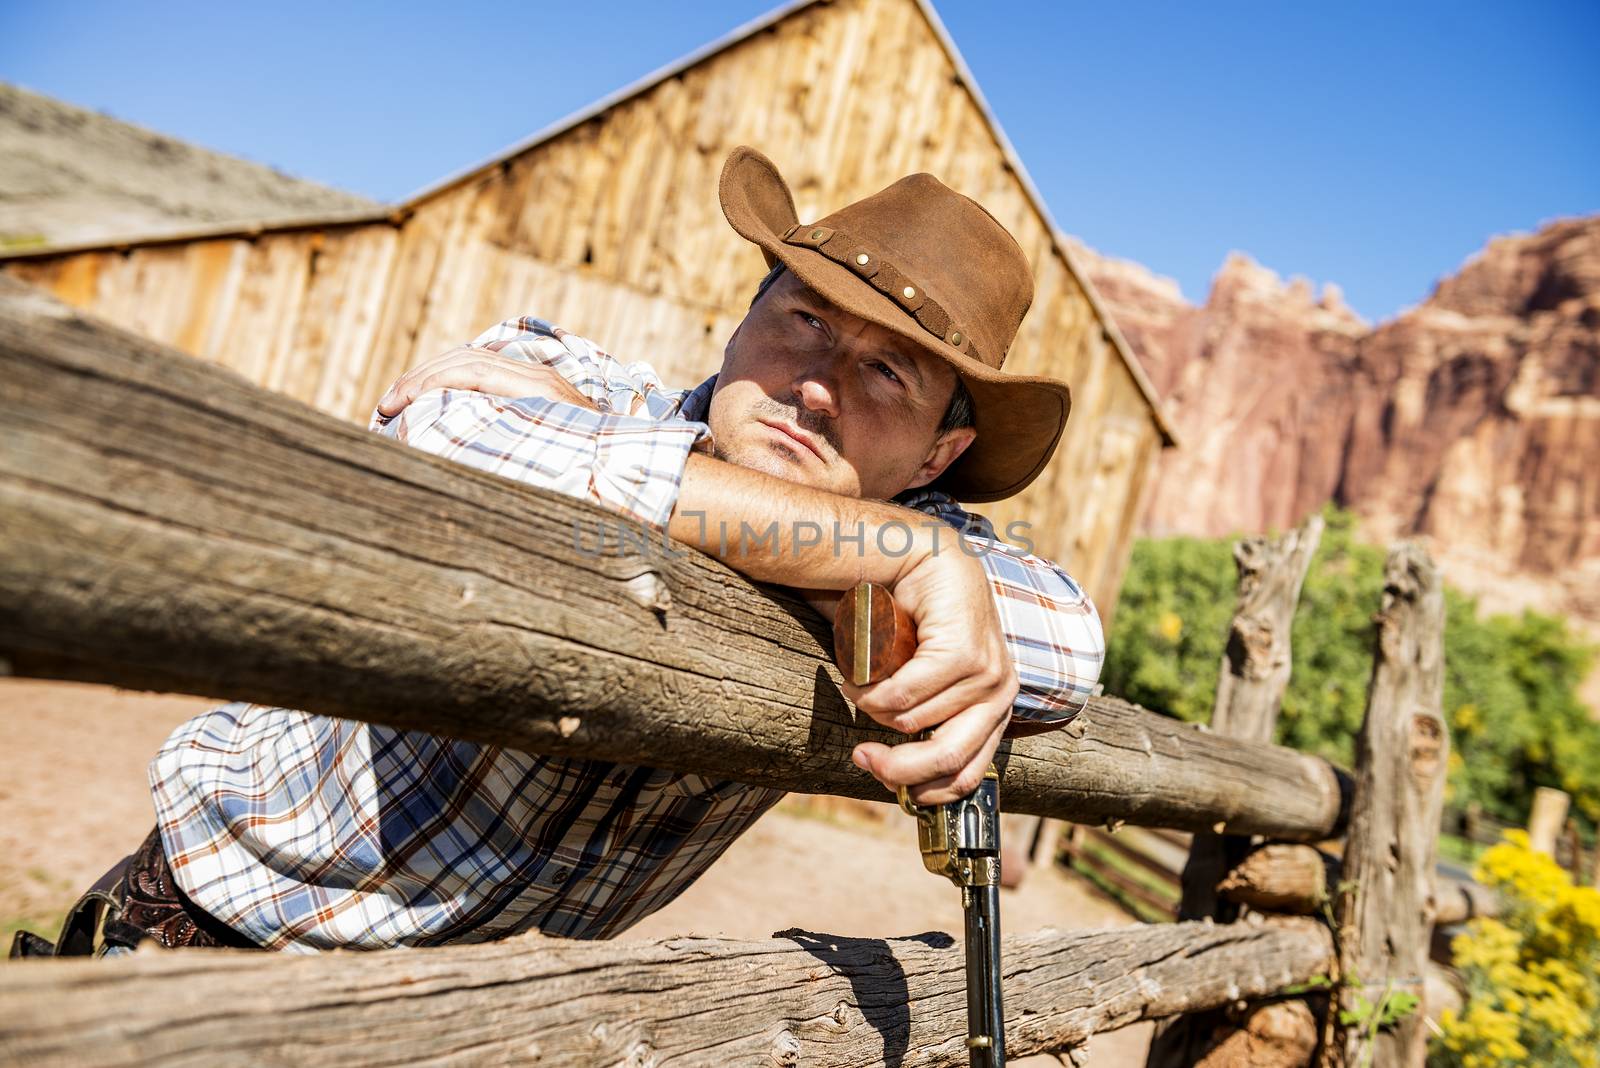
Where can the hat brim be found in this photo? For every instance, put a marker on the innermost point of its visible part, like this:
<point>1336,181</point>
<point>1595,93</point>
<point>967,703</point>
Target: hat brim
<point>1019,418</point>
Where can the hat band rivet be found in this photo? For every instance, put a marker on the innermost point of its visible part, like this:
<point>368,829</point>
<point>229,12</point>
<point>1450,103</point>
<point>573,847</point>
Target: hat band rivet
<point>848,250</point>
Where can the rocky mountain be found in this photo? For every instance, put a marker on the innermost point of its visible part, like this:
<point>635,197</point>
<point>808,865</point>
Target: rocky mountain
<point>1471,420</point>
<point>68,175</point>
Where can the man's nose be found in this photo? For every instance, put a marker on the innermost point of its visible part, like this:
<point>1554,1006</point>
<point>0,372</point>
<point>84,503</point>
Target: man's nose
<point>817,388</point>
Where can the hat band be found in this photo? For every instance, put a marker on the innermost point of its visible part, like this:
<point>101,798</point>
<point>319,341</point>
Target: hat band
<point>845,250</point>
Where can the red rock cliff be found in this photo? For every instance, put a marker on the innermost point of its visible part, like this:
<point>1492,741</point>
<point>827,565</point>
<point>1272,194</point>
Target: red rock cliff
<point>1472,420</point>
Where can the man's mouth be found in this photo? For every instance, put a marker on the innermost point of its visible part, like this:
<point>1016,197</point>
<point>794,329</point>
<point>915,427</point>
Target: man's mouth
<point>795,434</point>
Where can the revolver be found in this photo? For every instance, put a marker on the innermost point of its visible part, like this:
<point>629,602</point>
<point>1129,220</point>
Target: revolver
<point>960,840</point>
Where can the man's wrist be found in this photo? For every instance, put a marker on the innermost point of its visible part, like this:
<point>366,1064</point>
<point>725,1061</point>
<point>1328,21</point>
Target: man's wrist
<point>794,535</point>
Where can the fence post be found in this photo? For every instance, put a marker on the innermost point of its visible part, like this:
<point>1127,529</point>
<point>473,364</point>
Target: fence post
<point>1254,674</point>
<point>1570,855</point>
<point>1386,902</point>
<point>1544,822</point>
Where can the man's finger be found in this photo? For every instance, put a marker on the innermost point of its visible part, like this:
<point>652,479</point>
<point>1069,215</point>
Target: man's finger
<point>871,755</point>
<point>499,377</point>
<point>930,713</point>
<point>955,787</point>
<point>932,670</point>
<point>953,747</point>
<point>479,377</point>
<point>404,391</point>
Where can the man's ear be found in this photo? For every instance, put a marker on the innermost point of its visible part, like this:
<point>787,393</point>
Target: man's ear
<point>947,448</point>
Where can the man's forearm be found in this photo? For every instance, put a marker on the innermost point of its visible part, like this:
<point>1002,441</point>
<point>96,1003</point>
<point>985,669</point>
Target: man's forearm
<point>792,535</point>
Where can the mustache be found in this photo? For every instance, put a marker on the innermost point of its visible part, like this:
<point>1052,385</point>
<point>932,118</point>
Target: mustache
<point>809,421</point>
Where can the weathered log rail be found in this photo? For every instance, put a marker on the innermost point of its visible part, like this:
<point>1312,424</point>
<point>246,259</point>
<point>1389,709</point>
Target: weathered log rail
<point>797,998</point>
<point>1295,880</point>
<point>218,539</point>
<point>1300,880</point>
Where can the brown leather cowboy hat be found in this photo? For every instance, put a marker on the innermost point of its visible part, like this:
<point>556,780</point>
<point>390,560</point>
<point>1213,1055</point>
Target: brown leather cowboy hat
<point>933,266</point>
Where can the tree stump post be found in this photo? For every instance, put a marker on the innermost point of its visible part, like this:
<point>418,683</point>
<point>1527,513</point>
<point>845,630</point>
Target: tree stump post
<point>1385,905</point>
<point>1254,674</point>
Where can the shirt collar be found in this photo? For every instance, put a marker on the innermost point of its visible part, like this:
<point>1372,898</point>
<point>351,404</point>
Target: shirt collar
<point>696,404</point>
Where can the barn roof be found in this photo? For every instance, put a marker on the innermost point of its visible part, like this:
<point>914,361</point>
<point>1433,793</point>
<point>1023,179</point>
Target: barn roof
<point>398,213</point>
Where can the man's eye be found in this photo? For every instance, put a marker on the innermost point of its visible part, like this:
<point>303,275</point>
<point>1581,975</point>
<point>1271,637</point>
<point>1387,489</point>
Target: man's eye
<point>888,372</point>
<point>810,320</point>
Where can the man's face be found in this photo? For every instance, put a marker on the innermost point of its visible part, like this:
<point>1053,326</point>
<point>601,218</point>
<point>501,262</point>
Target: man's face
<point>864,404</point>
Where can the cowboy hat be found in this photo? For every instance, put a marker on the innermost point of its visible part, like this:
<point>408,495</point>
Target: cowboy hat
<point>933,266</point>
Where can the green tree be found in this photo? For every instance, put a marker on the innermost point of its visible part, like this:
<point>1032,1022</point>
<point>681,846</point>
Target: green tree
<point>1511,682</point>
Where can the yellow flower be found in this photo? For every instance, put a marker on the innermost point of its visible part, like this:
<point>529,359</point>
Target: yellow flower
<point>1533,974</point>
<point>1170,626</point>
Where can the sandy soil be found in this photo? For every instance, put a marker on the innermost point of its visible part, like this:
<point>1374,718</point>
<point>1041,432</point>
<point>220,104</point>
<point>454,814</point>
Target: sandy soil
<point>73,799</point>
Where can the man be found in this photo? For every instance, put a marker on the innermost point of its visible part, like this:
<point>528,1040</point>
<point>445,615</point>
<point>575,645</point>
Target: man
<point>847,385</point>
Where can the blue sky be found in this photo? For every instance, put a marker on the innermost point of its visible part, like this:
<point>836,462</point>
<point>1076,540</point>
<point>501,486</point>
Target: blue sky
<point>1376,145</point>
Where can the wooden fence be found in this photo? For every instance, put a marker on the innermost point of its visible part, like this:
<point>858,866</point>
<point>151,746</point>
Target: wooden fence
<point>1142,869</point>
<point>168,525</point>
<point>1556,834</point>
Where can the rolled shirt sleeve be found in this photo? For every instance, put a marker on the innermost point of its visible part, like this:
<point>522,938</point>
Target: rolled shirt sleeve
<point>616,387</point>
<point>1052,629</point>
<point>628,456</point>
<point>630,464</point>
<point>1049,623</point>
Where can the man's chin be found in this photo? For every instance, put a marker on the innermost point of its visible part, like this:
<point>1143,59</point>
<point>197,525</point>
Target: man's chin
<point>777,462</point>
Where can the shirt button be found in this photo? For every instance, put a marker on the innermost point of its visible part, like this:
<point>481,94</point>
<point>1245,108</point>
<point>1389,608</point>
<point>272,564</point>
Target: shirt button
<point>560,875</point>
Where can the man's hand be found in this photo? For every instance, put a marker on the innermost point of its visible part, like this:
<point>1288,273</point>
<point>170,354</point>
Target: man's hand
<point>484,371</point>
<point>960,683</point>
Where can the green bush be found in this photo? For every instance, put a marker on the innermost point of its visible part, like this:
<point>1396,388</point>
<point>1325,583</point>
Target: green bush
<point>1510,693</point>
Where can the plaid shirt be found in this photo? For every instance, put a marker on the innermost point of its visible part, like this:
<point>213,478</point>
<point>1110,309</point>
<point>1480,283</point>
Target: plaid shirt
<point>306,832</point>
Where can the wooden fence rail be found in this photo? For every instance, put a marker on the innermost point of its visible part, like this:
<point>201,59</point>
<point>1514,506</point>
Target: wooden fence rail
<point>797,998</point>
<point>216,538</point>
<point>1481,829</point>
<point>1137,872</point>
<point>1293,879</point>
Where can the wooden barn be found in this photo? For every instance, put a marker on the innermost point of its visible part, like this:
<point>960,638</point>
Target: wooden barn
<point>608,223</point>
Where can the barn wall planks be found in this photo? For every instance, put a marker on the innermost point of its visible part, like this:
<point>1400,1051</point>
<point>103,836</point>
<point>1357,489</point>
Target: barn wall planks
<point>612,228</point>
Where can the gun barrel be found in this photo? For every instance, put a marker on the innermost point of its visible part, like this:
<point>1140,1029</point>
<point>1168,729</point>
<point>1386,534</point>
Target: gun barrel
<point>959,840</point>
<point>986,1030</point>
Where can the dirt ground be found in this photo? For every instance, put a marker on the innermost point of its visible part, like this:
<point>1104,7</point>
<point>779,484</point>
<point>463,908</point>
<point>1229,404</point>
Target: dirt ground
<point>73,799</point>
